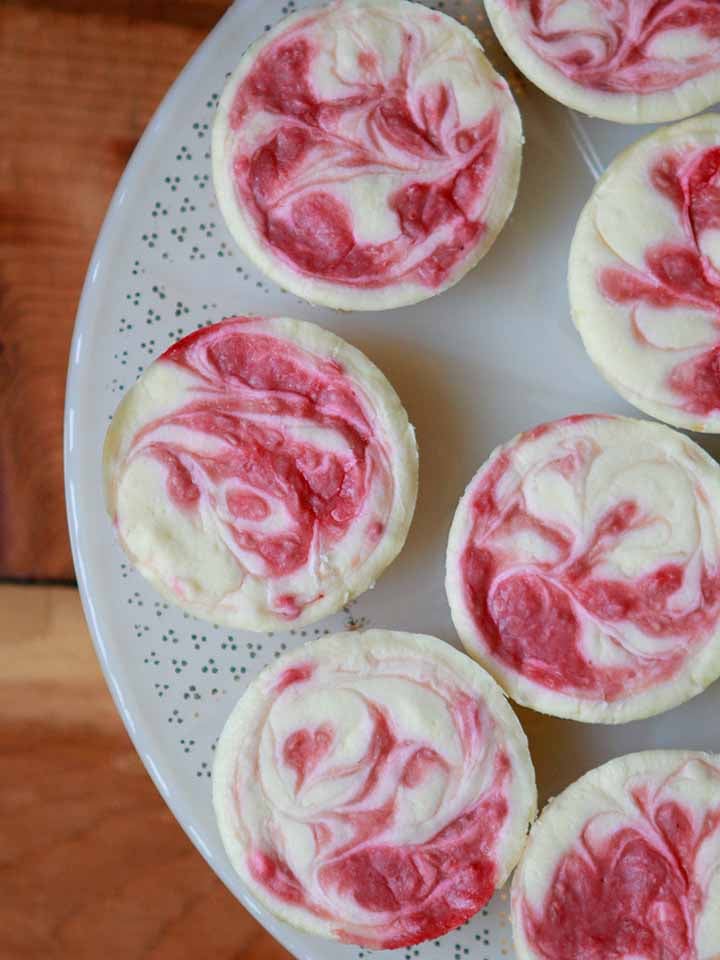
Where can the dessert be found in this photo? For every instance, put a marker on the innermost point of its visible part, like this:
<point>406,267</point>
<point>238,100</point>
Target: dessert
<point>644,274</point>
<point>374,788</point>
<point>261,473</point>
<point>366,155</point>
<point>583,568</point>
<point>632,61</point>
<point>625,863</point>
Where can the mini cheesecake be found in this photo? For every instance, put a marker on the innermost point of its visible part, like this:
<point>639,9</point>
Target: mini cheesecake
<point>583,568</point>
<point>625,864</point>
<point>632,61</point>
<point>374,788</point>
<point>366,154</point>
<point>644,274</point>
<point>261,473</point>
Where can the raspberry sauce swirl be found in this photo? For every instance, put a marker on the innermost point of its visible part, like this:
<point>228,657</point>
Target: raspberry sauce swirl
<point>633,869</point>
<point>584,568</point>
<point>374,788</point>
<point>366,154</point>
<point>626,60</point>
<point>285,465</point>
<point>645,274</point>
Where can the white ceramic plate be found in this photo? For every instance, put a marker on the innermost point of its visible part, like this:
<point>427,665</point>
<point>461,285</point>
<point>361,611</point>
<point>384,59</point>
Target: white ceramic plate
<point>492,356</point>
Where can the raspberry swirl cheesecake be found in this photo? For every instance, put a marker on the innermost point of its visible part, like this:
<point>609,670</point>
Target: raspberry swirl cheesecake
<point>644,274</point>
<point>366,155</point>
<point>632,61</point>
<point>583,568</point>
<point>374,788</point>
<point>625,864</point>
<point>261,473</point>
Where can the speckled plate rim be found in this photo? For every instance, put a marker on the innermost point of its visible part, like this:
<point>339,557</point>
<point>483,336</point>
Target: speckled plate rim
<point>126,702</point>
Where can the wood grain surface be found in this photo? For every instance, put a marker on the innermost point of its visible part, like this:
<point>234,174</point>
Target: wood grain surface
<point>92,863</point>
<point>80,80</point>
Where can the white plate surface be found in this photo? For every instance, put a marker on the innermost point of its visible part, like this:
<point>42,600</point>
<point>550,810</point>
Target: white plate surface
<point>490,357</point>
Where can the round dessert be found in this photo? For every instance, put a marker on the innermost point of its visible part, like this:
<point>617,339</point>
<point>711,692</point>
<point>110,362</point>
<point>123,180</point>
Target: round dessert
<point>644,274</point>
<point>261,473</point>
<point>366,155</point>
<point>625,864</point>
<point>632,61</point>
<point>374,788</point>
<point>583,568</point>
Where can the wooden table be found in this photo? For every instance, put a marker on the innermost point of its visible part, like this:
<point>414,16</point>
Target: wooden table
<point>80,80</point>
<point>92,864</point>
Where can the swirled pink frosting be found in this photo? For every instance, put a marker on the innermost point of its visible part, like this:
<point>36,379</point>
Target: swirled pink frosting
<point>617,46</point>
<point>680,274</point>
<point>325,109</point>
<point>240,446</point>
<point>635,890</point>
<point>542,573</point>
<point>375,798</point>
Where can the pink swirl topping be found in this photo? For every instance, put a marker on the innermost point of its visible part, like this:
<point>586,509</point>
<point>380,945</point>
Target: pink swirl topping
<point>352,158</point>
<point>624,46</point>
<point>553,522</point>
<point>375,799</point>
<point>278,445</point>
<point>635,890</point>
<point>681,274</point>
